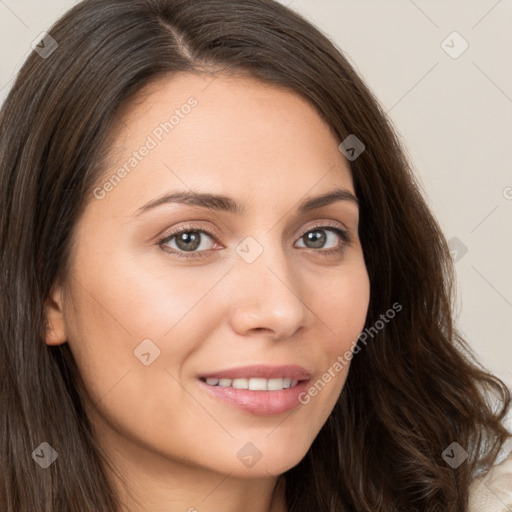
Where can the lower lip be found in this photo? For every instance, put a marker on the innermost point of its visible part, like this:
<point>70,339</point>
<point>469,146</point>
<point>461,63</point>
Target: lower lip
<point>262,403</point>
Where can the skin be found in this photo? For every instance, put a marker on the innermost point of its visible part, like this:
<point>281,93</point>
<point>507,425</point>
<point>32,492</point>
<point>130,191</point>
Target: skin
<point>267,148</point>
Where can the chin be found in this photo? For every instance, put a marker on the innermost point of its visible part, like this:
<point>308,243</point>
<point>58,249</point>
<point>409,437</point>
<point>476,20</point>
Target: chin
<point>267,459</point>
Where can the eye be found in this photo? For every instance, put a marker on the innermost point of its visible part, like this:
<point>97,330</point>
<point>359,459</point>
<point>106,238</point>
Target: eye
<point>188,239</point>
<point>318,236</point>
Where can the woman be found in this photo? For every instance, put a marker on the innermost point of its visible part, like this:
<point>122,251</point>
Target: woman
<point>222,288</point>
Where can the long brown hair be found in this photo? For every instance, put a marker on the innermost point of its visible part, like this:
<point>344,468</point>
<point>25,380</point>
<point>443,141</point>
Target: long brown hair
<point>411,391</point>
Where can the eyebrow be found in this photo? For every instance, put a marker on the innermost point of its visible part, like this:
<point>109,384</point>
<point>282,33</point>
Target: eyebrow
<point>224,203</point>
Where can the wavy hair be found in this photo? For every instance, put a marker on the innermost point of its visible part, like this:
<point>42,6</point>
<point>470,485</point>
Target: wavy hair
<point>411,391</point>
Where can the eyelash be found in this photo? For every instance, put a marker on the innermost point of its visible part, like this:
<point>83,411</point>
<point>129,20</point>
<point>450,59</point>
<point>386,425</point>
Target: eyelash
<point>344,235</point>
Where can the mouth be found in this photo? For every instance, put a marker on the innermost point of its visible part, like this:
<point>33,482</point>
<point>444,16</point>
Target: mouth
<point>254,383</point>
<point>261,390</point>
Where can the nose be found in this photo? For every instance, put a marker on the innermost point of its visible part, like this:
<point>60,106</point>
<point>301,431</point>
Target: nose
<point>267,297</point>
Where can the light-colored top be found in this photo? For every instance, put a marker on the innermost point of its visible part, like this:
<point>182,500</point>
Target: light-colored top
<point>493,491</point>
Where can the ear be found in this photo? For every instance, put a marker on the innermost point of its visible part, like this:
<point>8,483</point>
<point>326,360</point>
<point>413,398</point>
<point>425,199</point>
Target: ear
<point>55,325</point>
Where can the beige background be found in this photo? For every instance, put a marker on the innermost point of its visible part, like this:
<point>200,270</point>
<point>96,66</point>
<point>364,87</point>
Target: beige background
<point>453,114</point>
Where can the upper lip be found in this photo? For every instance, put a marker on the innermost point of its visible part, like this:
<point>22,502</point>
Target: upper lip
<point>291,371</point>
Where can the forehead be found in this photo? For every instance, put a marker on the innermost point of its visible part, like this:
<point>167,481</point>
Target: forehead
<point>225,134</point>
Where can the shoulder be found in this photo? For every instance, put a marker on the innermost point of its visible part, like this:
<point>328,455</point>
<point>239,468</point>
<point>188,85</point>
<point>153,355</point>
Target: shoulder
<point>492,492</point>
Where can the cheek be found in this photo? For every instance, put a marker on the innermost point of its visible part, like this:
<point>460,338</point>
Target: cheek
<point>114,310</point>
<point>342,305</point>
<point>116,320</point>
<point>131,302</point>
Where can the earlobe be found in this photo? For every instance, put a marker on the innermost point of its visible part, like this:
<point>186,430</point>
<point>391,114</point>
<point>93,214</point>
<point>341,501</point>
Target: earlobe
<point>55,325</point>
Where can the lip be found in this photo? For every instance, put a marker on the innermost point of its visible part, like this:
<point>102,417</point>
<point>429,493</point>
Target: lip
<point>292,371</point>
<point>261,403</point>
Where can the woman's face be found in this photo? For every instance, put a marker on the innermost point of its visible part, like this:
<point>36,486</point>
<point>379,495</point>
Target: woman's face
<point>264,288</point>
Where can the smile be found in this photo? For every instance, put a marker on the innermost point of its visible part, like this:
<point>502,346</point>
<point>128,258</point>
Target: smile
<point>261,390</point>
<point>254,384</point>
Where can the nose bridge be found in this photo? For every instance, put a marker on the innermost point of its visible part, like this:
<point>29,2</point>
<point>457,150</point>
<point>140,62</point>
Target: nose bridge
<point>268,293</point>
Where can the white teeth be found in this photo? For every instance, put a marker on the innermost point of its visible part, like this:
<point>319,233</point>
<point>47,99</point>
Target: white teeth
<point>255,383</point>
<point>258,384</point>
<point>274,384</point>
<point>240,383</point>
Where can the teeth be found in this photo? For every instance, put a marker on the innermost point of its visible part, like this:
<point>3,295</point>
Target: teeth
<point>258,384</point>
<point>274,384</point>
<point>255,383</point>
<point>240,383</point>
